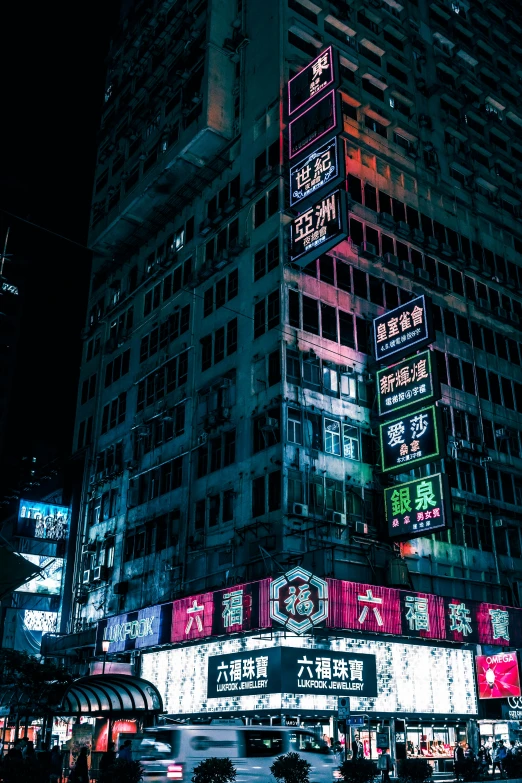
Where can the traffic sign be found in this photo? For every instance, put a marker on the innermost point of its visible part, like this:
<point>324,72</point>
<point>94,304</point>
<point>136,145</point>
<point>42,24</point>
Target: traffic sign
<point>343,708</point>
<point>355,720</point>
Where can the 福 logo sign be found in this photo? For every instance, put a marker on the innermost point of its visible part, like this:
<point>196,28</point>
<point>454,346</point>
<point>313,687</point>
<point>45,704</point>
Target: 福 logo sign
<point>299,600</point>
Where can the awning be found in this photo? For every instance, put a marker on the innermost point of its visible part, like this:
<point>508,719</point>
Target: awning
<point>110,695</point>
<point>15,570</point>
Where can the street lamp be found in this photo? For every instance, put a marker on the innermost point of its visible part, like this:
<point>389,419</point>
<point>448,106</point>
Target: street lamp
<point>105,647</point>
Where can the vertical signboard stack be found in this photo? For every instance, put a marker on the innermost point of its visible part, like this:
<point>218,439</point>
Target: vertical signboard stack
<point>410,431</point>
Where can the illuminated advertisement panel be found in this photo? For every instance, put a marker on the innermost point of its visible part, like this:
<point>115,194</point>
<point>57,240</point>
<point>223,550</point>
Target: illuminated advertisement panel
<point>42,520</point>
<point>310,126</point>
<point>498,676</point>
<point>409,382</point>
<point>322,166</point>
<point>292,670</point>
<point>318,229</point>
<point>135,630</point>
<point>49,580</point>
<point>398,331</point>
<point>312,80</point>
<point>408,676</point>
<point>411,440</point>
<point>417,508</point>
<point>40,621</point>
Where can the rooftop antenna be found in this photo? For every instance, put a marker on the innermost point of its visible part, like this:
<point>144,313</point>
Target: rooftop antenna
<point>4,254</point>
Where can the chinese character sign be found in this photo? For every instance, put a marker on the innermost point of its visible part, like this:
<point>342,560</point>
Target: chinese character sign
<point>299,600</point>
<point>313,123</point>
<point>321,167</point>
<point>327,672</point>
<point>409,382</point>
<point>401,329</point>
<point>498,675</point>
<point>417,508</point>
<point>244,673</point>
<point>312,80</point>
<point>410,440</point>
<point>318,229</point>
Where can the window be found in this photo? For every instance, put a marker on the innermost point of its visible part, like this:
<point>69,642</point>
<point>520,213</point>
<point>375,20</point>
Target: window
<point>266,314</point>
<point>266,259</point>
<point>157,481</point>
<point>267,206</point>
<point>223,342</point>
<point>266,429</point>
<point>332,437</point>
<point>156,385</point>
<point>118,367</point>
<point>372,124</point>
<point>266,493</point>
<point>88,389</point>
<point>114,413</point>
<point>351,442</point>
<point>85,433</point>
<point>223,291</point>
<point>294,430</point>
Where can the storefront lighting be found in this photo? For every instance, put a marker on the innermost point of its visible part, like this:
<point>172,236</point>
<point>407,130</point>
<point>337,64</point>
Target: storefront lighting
<point>105,646</point>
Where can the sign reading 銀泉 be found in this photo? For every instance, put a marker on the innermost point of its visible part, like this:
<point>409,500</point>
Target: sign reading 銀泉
<point>416,508</point>
<point>313,123</point>
<point>411,440</point>
<point>318,229</point>
<point>399,330</point>
<point>411,381</point>
<point>299,600</point>
<point>292,670</point>
<point>321,167</point>
<point>312,80</point>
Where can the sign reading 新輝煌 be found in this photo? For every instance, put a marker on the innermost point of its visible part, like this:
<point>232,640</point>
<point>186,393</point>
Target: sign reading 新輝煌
<point>410,382</point>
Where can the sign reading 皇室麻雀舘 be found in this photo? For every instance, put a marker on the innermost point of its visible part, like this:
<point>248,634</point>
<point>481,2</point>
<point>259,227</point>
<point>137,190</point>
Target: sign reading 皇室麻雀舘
<point>402,329</point>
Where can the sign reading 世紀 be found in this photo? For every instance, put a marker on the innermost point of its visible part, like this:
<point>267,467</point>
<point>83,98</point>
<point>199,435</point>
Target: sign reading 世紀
<point>321,167</point>
<point>292,670</point>
<point>313,123</point>
<point>399,330</point>
<point>410,440</point>
<point>312,80</point>
<point>417,508</point>
<point>318,229</point>
<point>411,381</point>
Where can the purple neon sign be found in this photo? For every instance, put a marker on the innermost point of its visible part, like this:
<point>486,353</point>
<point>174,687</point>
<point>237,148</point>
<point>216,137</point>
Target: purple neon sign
<point>311,81</point>
<point>312,124</point>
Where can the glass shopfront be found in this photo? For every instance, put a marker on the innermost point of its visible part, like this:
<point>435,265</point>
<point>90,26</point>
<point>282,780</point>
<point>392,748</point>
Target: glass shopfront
<point>434,742</point>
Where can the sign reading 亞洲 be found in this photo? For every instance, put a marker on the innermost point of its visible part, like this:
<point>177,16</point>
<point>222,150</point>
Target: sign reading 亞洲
<point>292,670</point>
<point>411,381</point>
<point>403,328</point>
<point>412,439</point>
<point>318,229</point>
<point>313,123</point>
<point>312,80</point>
<point>321,167</point>
<point>416,508</point>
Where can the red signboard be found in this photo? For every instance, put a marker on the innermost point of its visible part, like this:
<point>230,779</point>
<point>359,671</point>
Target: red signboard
<point>498,676</point>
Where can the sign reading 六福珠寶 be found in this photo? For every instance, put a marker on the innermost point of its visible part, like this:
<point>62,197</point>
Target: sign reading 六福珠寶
<point>411,381</point>
<point>399,330</point>
<point>416,508</point>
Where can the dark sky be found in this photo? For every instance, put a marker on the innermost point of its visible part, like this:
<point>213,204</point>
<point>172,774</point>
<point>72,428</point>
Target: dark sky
<point>53,64</point>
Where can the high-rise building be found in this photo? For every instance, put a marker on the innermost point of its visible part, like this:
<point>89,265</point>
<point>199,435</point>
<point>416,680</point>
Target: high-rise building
<point>227,399</point>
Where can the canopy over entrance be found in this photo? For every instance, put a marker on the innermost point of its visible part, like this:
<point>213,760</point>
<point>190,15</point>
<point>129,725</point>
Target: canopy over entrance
<point>110,695</point>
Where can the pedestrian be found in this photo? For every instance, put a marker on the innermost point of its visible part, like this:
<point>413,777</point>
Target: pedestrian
<point>80,771</point>
<point>484,758</point>
<point>384,765</point>
<point>458,761</point>
<point>125,753</point>
<point>56,763</point>
<point>108,758</point>
<point>499,758</point>
<point>357,748</point>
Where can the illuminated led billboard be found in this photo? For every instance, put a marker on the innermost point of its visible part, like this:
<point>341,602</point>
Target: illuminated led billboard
<point>321,118</point>
<point>498,676</point>
<point>309,83</point>
<point>407,383</point>
<point>322,166</point>
<point>42,520</point>
<point>399,330</point>
<point>416,508</point>
<point>411,440</point>
<point>49,580</point>
<point>318,229</point>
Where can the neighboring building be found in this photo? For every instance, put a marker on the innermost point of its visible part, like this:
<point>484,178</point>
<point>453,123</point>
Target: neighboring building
<point>227,406</point>
<point>10,312</point>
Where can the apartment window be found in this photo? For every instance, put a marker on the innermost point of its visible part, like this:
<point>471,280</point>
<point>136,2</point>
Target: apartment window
<point>266,314</point>
<point>159,338</point>
<point>222,292</point>
<point>266,493</point>
<point>294,429</point>
<point>266,429</point>
<point>88,389</point>
<point>332,437</point>
<point>269,158</point>
<point>351,448</point>
<point>374,125</point>
<point>156,482</point>
<point>156,385</point>
<point>117,368</point>
<point>85,433</point>
<point>266,259</point>
<point>114,412</point>
<point>223,342</point>
<point>152,299</point>
<point>93,348</point>
<point>266,206</point>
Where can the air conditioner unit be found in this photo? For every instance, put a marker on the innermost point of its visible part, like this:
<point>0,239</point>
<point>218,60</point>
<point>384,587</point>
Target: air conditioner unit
<point>500,312</point>
<point>423,274</point>
<point>338,518</point>
<point>408,267</point>
<point>250,188</point>
<point>391,260</point>
<point>205,227</point>
<point>86,577</point>
<point>446,250</point>
<point>266,173</point>
<point>515,318</point>
<point>269,423</point>
<point>229,206</point>
<point>300,510</point>
<point>368,250</point>
<point>433,243</point>
<point>483,304</point>
<point>418,236</point>
<point>465,444</point>
<point>100,574</point>
<point>443,284</point>
<point>361,528</point>
<point>386,219</point>
<point>403,228</point>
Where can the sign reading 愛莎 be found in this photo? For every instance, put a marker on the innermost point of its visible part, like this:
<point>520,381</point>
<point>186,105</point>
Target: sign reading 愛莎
<point>411,381</point>
<point>318,229</point>
<point>416,508</point>
<point>321,167</point>
<point>399,330</point>
<point>312,80</point>
<point>292,670</point>
<point>312,124</point>
<point>412,439</point>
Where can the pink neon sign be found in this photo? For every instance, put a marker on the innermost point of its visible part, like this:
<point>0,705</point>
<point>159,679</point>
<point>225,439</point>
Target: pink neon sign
<point>311,81</point>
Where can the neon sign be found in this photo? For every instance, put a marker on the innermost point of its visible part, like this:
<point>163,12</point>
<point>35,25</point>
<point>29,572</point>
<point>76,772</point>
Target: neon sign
<point>299,600</point>
<point>399,330</point>
<point>318,229</point>
<point>416,508</point>
<point>313,123</point>
<point>321,167</point>
<point>312,80</point>
<point>498,676</point>
<point>411,381</point>
<point>410,440</point>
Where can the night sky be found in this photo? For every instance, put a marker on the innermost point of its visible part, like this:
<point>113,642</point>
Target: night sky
<point>53,76</point>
